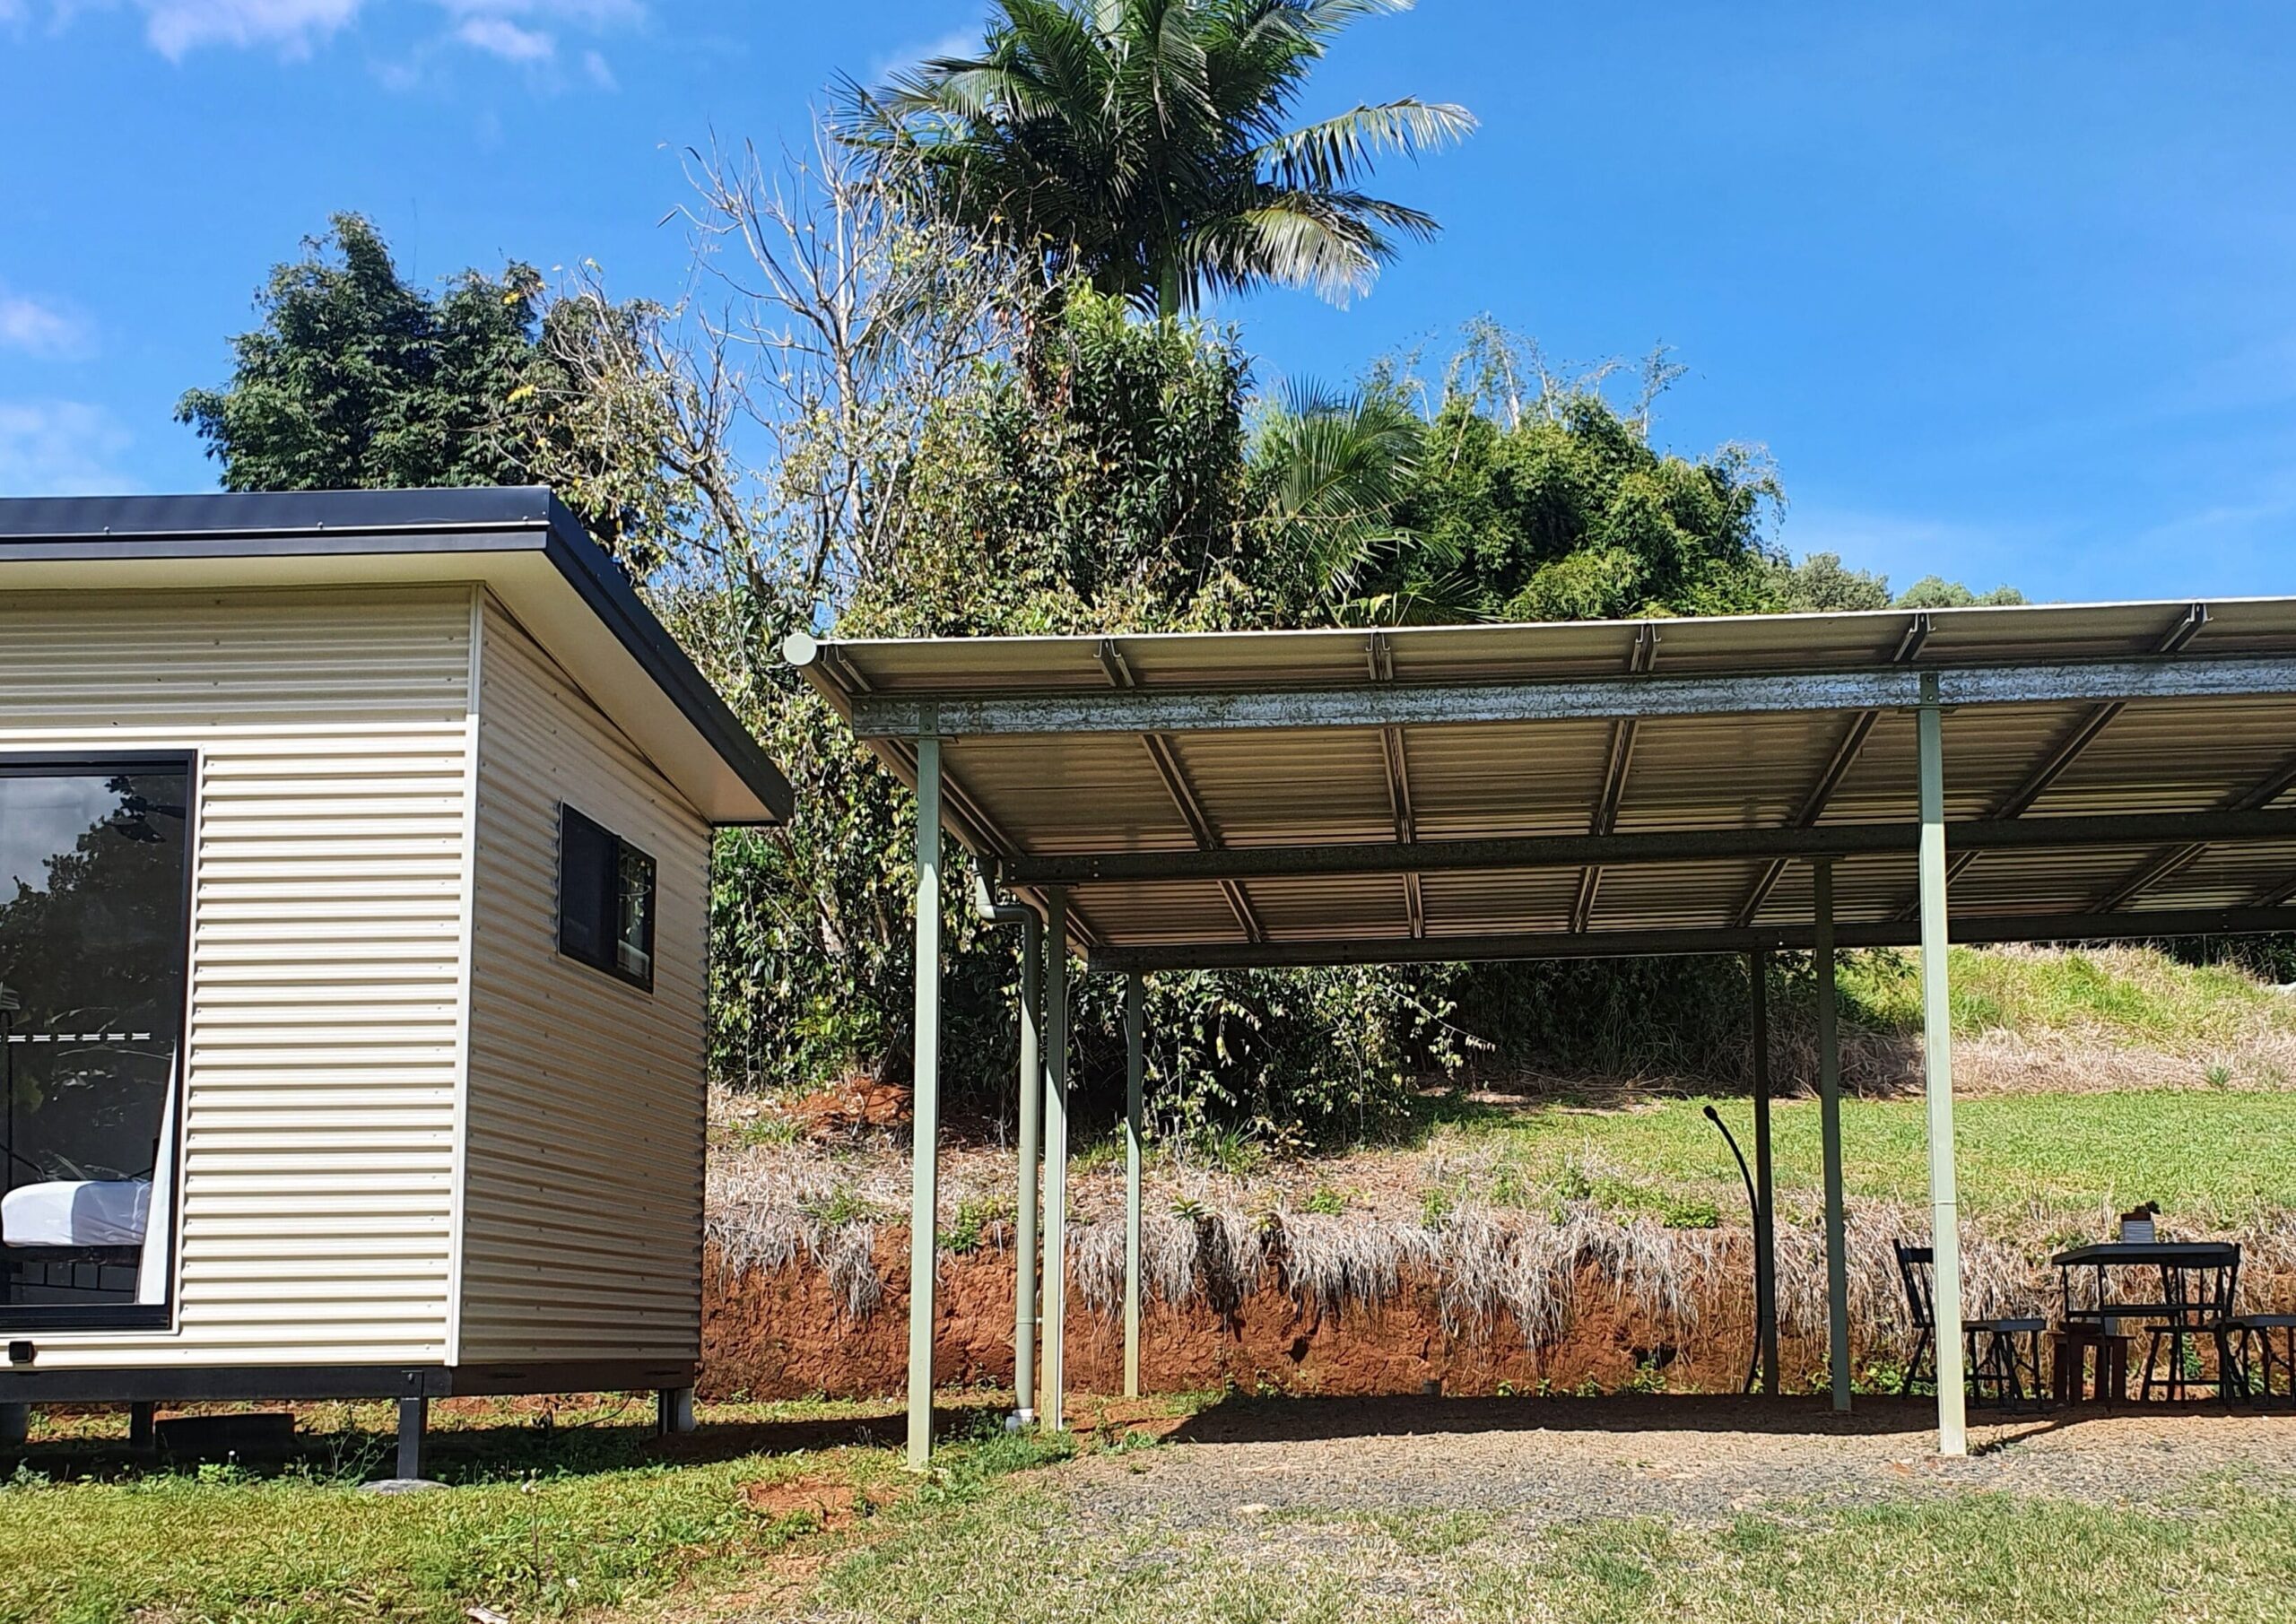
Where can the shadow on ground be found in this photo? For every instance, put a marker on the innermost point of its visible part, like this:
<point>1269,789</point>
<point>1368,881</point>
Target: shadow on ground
<point>1241,1419</point>
<point>494,1451</point>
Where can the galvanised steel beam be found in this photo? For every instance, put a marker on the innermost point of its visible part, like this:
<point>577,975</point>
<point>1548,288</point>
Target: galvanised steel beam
<point>1237,863</point>
<point>1974,929</point>
<point>1845,756</point>
<point>1380,657</point>
<point>1813,807</point>
<point>1165,754</point>
<point>1142,710</point>
<point>2163,865</point>
<point>2077,739</point>
<point>1642,660</point>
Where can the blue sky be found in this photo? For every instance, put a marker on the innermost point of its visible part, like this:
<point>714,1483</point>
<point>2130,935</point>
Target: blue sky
<point>2005,290</point>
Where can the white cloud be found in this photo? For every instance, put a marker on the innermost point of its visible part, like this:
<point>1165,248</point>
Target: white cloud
<point>39,329</point>
<point>176,27</point>
<point>59,448</point>
<point>594,64</point>
<point>521,32</point>
<point>501,37</point>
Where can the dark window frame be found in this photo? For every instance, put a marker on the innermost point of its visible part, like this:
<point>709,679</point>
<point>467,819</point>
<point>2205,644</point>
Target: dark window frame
<point>598,947</point>
<point>129,1316</point>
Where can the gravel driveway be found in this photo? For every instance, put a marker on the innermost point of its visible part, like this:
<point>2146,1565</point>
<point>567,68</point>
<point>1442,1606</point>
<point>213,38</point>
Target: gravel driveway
<point>1684,1458</point>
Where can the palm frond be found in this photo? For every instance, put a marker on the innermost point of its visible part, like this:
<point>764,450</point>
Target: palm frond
<point>1332,151</point>
<point>1341,464</point>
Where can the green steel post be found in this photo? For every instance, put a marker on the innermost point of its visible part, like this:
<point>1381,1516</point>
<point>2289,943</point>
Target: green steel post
<point>1765,1184</point>
<point>1032,1153</point>
<point>925,1181</point>
<point>1136,1044</point>
<point>1937,1072</point>
<point>1051,1386</point>
<point>1830,1134</point>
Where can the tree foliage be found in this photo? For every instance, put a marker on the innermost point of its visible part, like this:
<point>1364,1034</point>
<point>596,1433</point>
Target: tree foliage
<point>1146,146</point>
<point>866,420</point>
<point>354,377</point>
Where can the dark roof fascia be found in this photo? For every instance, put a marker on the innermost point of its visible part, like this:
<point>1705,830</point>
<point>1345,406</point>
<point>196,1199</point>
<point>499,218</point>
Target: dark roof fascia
<point>318,523</point>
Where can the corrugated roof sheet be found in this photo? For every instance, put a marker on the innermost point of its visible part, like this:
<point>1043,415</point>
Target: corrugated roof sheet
<point>1018,796</point>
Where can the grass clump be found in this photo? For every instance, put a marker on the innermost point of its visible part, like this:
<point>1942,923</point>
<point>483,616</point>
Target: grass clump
<point>2128,995</point>
<point>2208,1155</point>
<point>975,1218</point>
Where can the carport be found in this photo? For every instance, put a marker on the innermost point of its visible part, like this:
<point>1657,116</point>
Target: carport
<point>1741,785</point>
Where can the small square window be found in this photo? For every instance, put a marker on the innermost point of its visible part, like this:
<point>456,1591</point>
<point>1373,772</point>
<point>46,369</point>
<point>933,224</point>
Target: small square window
<point>605,899</point>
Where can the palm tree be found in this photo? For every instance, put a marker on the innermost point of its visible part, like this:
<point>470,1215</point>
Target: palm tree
<point>1335,472</point>
<point>1142,143</point>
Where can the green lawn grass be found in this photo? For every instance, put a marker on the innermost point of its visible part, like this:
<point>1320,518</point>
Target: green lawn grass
<point>2124,995</point>
<point>585,1516</point>
<point>2207,1156</point>
<point>2230,1553</point>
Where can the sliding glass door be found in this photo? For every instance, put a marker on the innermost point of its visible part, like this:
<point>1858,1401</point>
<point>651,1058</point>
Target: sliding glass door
<point>94,906</point>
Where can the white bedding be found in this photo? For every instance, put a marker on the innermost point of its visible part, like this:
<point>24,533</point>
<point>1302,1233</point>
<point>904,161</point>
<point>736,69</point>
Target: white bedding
<point>77,1212</point>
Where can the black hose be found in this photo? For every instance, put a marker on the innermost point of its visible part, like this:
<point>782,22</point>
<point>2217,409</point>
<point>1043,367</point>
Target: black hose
<point>1754,1209</point>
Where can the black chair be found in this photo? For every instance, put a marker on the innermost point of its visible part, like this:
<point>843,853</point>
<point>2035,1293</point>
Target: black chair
<point>2195,1303</point>
<point>2002,1356</point>
<point>2249,1339</point>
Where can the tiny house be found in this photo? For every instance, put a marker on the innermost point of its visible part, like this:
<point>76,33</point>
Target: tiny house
<point>354,857</point>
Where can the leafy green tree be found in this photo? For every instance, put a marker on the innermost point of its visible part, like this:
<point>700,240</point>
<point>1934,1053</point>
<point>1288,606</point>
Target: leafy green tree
<point>1935,592</point>
<point>1821,582</point>
<point>1571,513</point>
<point>355,379</point>
<point>1145,145</point>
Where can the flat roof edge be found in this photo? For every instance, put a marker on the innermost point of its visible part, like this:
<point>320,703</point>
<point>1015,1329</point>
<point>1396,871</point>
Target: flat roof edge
<point>318,523</point>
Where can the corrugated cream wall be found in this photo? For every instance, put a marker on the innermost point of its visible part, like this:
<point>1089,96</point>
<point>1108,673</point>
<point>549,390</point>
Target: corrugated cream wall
<point>335,741</point>
<point>583,1184</point>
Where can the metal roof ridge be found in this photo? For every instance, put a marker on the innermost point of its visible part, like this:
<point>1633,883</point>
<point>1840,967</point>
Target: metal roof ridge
<point>1453,629</point>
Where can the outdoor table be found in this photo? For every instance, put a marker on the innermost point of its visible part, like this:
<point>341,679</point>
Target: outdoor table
<point>2173,1304</point>
<point>2105,1255</point>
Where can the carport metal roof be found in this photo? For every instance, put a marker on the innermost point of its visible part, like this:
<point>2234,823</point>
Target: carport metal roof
<point>1615,787</point>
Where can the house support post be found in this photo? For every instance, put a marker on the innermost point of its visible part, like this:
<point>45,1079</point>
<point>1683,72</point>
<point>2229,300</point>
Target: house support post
<point>1032,1153</point>
<point>1830,1134</point>
<point>1765,1180</point>
<point>1937,1076</point>
<point>15,1425</point>
<point>1135,1072</point>
<point>673,1410</point>
<point>143,1424</point>
<point>414,1418</point>
<point>1051,1387</point>
<point>925,1105</point>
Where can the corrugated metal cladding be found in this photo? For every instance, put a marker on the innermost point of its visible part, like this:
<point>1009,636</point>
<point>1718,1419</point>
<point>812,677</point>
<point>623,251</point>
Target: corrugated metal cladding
<point>582,1204</point>
<point>1064,794</point>
<point>321,1055</point>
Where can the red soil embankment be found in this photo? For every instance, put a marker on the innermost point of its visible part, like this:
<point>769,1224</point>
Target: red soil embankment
<point>786,1335</point>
